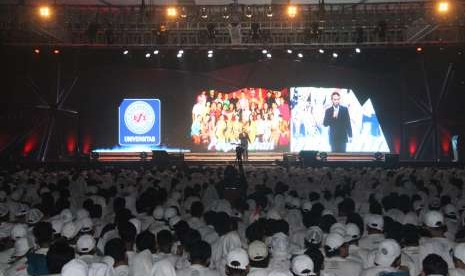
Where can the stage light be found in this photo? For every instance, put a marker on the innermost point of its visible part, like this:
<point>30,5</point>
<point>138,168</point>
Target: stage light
<point>56,52</point>
<point>225,13</point>
<point>264,51</point>
<point>268,55</point>
<point>210,51</point>
<point>289,51</point>
<point>300,55</point>
<point>171,12</point>
<point>203,13</point>
<point>180,54</point>
<point>148,55</point>
<point>292,11</point>
<point>45,12</point>
<point>442,7</point>
<point>156,52</point>
<point>183,12</point>
<point>37,51</point>
<point>419,49</point>
<point>358,50</point>
<point>335,55</point>
<point>125,52</point>
<point>269,12</point>
<point>248,12</point>
<point>321,51</point>
<point>210,55</point>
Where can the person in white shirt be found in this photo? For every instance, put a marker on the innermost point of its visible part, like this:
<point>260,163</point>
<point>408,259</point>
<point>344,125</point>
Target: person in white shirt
<point>375,235</point>
<point>85,249</point>
<point>302,265</point>
<point>434,265</point>
<point>259,259</point>
<point>116,258</point>
<point>19,265</point>
<point>199,257</point>
<point>387,259</point>
<point>459,260</point>
<point>237,263</point>
<point>336,263</point>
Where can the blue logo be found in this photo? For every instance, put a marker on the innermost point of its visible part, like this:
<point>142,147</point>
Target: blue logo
<point>139,122</point>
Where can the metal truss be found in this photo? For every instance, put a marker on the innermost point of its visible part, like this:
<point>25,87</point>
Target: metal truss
<point>331,25</point>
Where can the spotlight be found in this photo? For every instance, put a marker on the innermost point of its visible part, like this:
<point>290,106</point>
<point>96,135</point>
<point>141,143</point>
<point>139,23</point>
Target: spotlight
<point>56,52</point>
<point>268,55</point>
<point>442,7</point>
<point>269,12</point>
<point>419,49</point>
<point>203,13</point>
<point>292,11</point>
<point>321,51</point>
<point>264,51</point>
<point>210,52</point>
<point>125,52</point>
<point>210,55</point>
<point>37,51</point>
<point>335,55</point>
<point>156,52</point>
<point>248,12</point>
<point>289,51</point>
<point>45,12</point>
<point>323,156</point>
<point>181,52</point>
<point>358,51</point>
<point>300,55</point>
<point>225,13</point>
<point>148,55</point>
<point>171,12</point>
<point>183,12</point>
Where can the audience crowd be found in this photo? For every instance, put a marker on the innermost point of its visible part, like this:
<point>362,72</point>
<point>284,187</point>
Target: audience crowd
<point>187,222</point>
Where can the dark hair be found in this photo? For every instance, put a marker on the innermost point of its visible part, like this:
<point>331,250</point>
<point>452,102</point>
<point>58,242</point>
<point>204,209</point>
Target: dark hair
<point>43,232</point>
<point>317,257</point>
<point>146,240</point>
<point>127,231</point>
<point>410,235</point>
<point>434,264</point>
<point>197,209</point>
<point>335,93</point>
<point>58,255</point>
<point>200,252</point>
<point>116,249</point>
<point>326,222</point>
<point>164,240</point>
<point>118,204</point>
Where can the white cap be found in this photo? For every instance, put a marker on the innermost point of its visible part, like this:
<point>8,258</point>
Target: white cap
<point>411,218</point>
<point>434,219</point>
<point>295,202</point>
<point>21,210</point>
<point>169,213</point>
<point>75,267</point>
<point>459,252</point>
<point>375,221</point>
<point>279,243</point>
<point>66,215</point>
<point>338,228</point>
<point>70,230</point>
<point>82,213</point>
<point>450,211</point>
<point>388,250</point>
<point>85,244</point>
<point>314,235</point>
<point>258,251</point>
<point>158,213</point>
<point>85,224</point>
<point>352,232</point>
<point>174,220</point>
<point>21,247</point>
<point>302,265</point>
<point>273,214</point>
<point>237,259</point>
<point>4,210</point>
<point>18,231</point>
<point>307,206</point>
<point>33,216</point>
<point>57,225</point>
<point>334,241</point>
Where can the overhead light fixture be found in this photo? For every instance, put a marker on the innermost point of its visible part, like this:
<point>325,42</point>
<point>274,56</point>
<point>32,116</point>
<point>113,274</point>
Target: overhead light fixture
<point>268,55</point>
<point>269,12</point>
<point>203,13</point>
<point>148,55</point>
<point>300,55</point>
<point>443,7</point>
<point>225,13</point>
<point>56,52</point>
<point>289,51</point>
<point>210,55</point>
<point>45,12</point>
<point>292,11</point>
<point>125,52</point>
<point>321,51</point>
<point>358,50</point>
<point>37,51</point>
<point>183,12</point>
<point>180,54</point>
<point>335,55</point>
<point>210,51</point>
<point>156,52</point>
<point>264,51</point>
<point>419,49</point>
<point>171,12</point>
<point>248,12</point>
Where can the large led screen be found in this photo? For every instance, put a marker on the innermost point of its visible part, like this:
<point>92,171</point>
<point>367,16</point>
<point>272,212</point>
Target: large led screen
<point>219,117</point>
<point>333,120</point>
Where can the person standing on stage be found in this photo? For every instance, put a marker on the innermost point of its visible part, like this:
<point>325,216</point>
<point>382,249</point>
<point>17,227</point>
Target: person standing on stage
<point>338,119</point>
<point>244,138</point>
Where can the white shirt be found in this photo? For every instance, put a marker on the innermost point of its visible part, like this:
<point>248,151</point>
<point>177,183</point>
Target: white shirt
<point>456,272</point>
<point>89,259</point>
<point>371,242</point>
<point>339,266</point>
<point>197,270</point>
<point>258,271</point>
<point>374,271</point>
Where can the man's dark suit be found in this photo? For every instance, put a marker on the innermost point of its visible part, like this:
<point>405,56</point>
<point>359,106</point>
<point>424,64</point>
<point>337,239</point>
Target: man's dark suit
<point>339,128</point>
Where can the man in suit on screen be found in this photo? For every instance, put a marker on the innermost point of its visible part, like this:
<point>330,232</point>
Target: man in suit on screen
<point>338,119</point>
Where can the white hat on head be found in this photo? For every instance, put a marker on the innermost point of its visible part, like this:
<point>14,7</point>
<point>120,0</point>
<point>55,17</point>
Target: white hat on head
<point>82,213</point>
<point>21,210</point>
<point>85,225</point>
<point>85,244</point>
<point>459,252</point>
<point>57,225</point>
<point>338,228</point>
<point>237,259</point>
<point>387,252</point>
<point>75,267</point>
<point>352,232</point>
<point>258,251</point>
<point>18,231</point>
<point>66,215</point>
<point>70,230</point>
<point>334,241</point>
<point>314,235</point>
<point>450,211</point>
<point>302,265</point>
<point>375,221</point>
<point>434,219</point>
<point>411,218</point>
<point>158,213</point>
<point>273,214</point>
<point>22,246</point>
<point>279,244</point>
<point>169,213</point>
<point>33,216</point>
<point>295,202</point>
<point>306,206</point>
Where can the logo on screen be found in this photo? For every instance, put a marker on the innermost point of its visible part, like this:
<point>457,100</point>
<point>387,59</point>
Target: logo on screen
<point>139,117</point>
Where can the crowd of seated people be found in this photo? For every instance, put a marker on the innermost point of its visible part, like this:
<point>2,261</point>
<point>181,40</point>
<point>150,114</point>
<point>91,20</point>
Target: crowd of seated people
<point>175,221</point>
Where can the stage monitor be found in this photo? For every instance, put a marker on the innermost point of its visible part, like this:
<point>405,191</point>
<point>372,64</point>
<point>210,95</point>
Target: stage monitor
<point>333,120</point>
<point>219,118</point>
<point>139,122</point>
